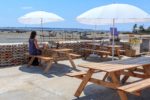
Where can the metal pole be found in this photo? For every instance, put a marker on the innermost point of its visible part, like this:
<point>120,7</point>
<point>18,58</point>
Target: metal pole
<point>42,29</point>
<point>65,36</point>
<point>93,40</point>
<point>113,41</point>
<point>94,47</point>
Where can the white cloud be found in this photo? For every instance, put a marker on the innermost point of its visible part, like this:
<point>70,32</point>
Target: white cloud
<point>26,7</point>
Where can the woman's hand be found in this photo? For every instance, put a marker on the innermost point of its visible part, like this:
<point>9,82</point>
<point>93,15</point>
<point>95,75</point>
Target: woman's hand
<point>45,46</point>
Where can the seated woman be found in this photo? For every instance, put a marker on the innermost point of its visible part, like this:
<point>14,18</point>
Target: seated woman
<point>34,47</point>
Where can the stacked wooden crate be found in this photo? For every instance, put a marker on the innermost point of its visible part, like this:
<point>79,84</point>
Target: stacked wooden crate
<point>76,47</point>
<point>12,54</point>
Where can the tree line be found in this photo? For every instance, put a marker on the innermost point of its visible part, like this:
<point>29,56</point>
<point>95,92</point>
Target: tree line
<point>140,29</point>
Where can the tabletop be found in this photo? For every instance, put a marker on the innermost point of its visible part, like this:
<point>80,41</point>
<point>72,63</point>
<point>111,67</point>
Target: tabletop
<point>61,50</point>
<point>118,65</point>
<point>96,44</point>
<point>111,46</point>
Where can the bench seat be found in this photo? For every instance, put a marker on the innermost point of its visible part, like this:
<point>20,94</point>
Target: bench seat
<point>74,55</point>
<point>48,60</point>
<point>44,58</point>
<point>137,86</point>
<point>40,57</point>
<point>75,74</point>
<point>102,53</point>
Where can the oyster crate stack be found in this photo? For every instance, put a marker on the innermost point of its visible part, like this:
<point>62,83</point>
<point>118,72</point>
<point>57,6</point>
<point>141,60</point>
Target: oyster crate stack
<point>12,54</point>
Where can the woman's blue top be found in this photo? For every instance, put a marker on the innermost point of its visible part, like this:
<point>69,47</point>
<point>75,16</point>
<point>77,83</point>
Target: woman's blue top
<point>32,48</point>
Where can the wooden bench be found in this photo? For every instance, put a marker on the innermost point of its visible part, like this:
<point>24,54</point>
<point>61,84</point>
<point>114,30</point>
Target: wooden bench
<point>47,60</point>
<point>134,88</point>
<point>143,53</point>
<point>122,51</point>
<point>102,53</point>
<point>79,74</point>
<point>74,55</point>
<point>76,74</point>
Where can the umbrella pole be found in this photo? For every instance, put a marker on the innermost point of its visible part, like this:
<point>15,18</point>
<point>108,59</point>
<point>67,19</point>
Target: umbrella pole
<point>93,40</point>
<point>95,28</point>
<point>42,30</point>
<point>113,40</point>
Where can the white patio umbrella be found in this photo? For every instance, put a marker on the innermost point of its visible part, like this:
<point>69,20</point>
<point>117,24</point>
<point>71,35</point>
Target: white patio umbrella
<point>39,18</point>
<point>112,14</point>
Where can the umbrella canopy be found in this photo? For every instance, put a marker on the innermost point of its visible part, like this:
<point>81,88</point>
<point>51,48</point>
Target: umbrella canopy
<point>39,17</point>
<point>120,13</point>
<point>112,14</point>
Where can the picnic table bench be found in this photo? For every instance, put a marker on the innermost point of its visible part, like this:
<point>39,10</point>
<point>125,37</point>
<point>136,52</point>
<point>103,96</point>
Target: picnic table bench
<point>134,88</point>
<point>114,69</point>
<point>103,50</point>
<point>117,49</point>
<point>48,60</point>
<point>67,52</point>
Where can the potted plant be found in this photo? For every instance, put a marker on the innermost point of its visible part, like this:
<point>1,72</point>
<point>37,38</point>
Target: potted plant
<point>135,44</point>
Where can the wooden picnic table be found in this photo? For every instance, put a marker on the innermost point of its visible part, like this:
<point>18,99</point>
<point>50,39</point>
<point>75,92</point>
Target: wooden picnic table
<point>65,51</point>
<point>116,48</point>
<point>95,48</point>
<point>47,60</point>
<point>102,53</point>
<point>94,45</point>
<point>109,47</point>
<point>114,69</point>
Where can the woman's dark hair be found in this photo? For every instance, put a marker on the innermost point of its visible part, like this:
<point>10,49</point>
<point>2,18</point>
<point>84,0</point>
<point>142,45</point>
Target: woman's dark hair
<point>33,35</point>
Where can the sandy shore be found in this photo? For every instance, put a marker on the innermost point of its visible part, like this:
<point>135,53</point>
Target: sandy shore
<point>7,37</point>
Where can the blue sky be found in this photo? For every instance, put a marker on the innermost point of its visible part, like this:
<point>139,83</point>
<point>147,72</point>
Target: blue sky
<point>69,9</point>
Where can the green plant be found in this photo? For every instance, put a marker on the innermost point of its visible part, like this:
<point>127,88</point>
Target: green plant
<point>134,41</point>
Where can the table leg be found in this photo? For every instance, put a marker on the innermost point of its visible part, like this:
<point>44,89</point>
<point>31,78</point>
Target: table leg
<point>147,70</point>
<point>118,52</point>
<point>110,50</point>
<point>86,54</point>
<point>122,95</point>
<point>106,75</point>
<point>116,81</point>
<point>101,55</point>
<point>115,78</point>
<point>71,61</point>
<point>106,56</point>
<point>84,82</point>
<point>48,66</point>
<point>125,78</point>
<point>31,61</point>
<point>55,57</point>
